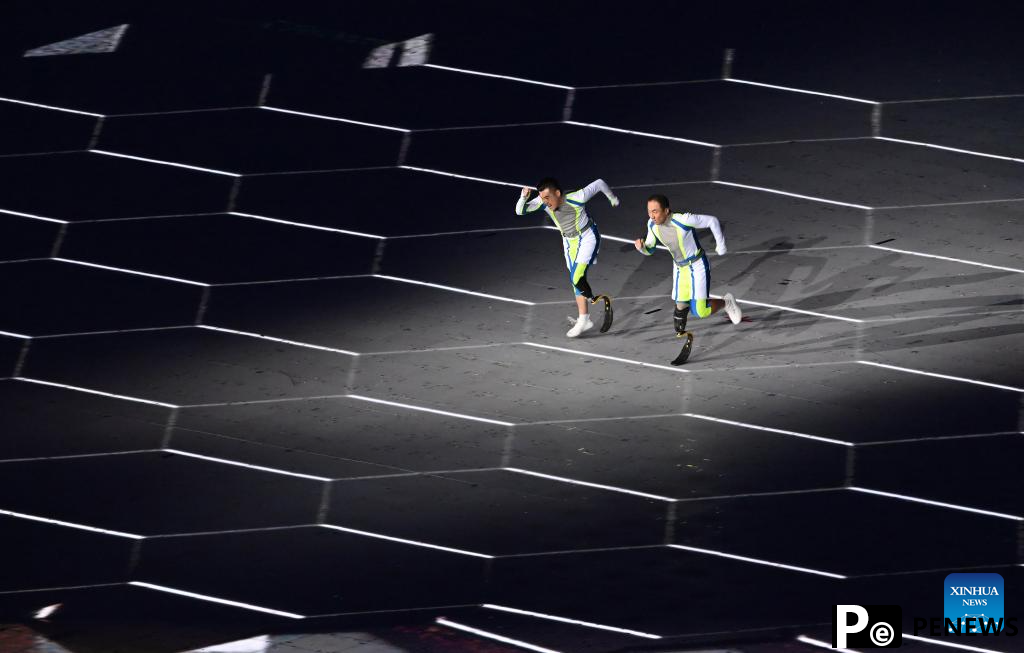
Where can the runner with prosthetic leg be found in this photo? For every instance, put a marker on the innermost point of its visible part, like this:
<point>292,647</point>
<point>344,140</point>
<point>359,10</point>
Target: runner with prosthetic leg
<point>691,273</point>
<point>581,241</point>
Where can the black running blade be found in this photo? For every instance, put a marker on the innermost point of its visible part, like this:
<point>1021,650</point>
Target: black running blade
<point>609,315</point>
<point>684,354</point>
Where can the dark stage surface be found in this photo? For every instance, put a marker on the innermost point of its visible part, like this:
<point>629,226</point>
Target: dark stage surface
<point>280,362</point>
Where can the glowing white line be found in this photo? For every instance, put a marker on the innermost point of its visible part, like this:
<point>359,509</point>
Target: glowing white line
<point>258,644</point>
<point>937,642</point>
<point>34,217</point>
<point>236,463</point>
<point>800,90</point>
<point>782,192</point>
<point>791,250</point>
<point>177,112</point>
<point>126,271</point>
<point>403,541</point>
<point>620,239</point>
<point>92,392</point>
<point>821,644</point>
<point>273,339</point>
<point>452,174</point>
<point>471,231</point>
<point>969,203</point>
<point>774,367</point>
<point>939,438</point>
<point>166,163</point>
<point>799,310</point>
<point>63,587</point>
<point>794,310</point>
<point>457,128</point>
<point>47,106</point>
<point>618,298</point>
<point>489,635</point>
<point>611,358</point>
<point>11,334</point>
<point>768,429</point>
<point>667,183</point>
<point>637,84</point>
<point>102,454</point>
<point>945,258</point>
<point>334,277</point>
<point>397,610</point>
<point>214,599</point>
<point>19,155</point>
<point>81,527</point>
<point>566,620</point>
<point>429,349</point>
<point>757,561</point>
<point>323,117</point>
<point>938,503</point>
<point>109,331</point>
<point>263,401</point>
<point>949,149</point>
<point>562,479</point>
<point>603,419</point>
<point>306,225</point>
<point>942,376</point>
<point>430,410</point>
<point>514,79</point>
<point>956,99</point>
<point>151,217</point>
<point>24,260</point>
<point>790,141</point>
<point>636,133</point>
<point>452,289</point>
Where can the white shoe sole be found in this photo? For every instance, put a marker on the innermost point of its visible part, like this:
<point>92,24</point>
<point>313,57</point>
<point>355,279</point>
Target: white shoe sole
<point>733,309</point>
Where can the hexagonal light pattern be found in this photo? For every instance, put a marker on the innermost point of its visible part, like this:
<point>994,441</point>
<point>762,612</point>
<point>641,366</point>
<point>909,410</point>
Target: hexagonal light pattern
<point>426,332</point>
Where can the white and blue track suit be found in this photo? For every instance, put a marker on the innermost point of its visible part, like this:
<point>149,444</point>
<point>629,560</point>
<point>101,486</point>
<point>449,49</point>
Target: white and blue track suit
<point>581,241</point>
<point>691,274</point>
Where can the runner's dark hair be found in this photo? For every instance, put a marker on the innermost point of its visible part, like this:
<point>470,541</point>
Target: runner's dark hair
<point>660,199</point>
<point>550,183</point>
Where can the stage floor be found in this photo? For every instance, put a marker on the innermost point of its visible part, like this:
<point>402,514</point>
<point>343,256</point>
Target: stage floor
<point>281,341</point>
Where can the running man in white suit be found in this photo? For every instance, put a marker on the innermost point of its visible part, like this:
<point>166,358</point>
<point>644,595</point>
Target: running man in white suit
<point>691,274</point>
<point>581,240</point>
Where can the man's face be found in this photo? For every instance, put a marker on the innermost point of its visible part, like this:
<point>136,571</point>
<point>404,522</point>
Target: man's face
<point>551,197</point>
<point>658,213</point>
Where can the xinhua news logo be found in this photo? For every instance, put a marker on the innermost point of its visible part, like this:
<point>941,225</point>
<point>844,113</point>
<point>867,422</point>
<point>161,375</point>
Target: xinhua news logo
<point>867,626</point>
<point>974,605</point>
<point>975,599</point>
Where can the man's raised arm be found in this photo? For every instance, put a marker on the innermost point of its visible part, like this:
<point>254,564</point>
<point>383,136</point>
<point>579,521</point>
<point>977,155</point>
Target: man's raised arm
<point>523,207</point>
<point>597,186</point>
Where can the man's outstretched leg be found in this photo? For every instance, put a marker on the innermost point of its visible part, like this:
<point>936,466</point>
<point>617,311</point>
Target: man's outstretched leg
<point>690,286</point>
<point>586,294</point>
<point>702,309</point>
<point>732,308</point>
<point>679,318</point>
<point>679,322</point>
<point>728,302</point>
<point>581,323</point>
<point>584,297</point>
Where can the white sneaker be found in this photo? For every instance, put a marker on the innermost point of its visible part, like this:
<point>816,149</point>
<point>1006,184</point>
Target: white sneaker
<point>582,324</point>
<point>732,308</point>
